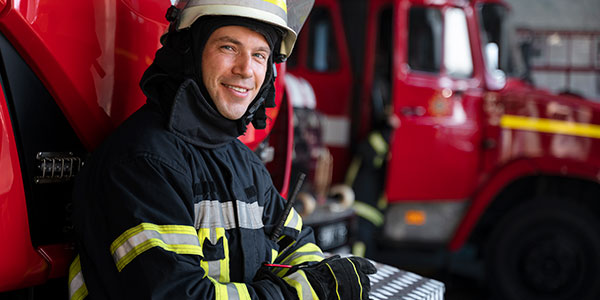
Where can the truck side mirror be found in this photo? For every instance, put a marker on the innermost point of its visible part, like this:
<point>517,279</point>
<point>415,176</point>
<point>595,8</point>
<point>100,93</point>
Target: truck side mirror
<point>492,57</point>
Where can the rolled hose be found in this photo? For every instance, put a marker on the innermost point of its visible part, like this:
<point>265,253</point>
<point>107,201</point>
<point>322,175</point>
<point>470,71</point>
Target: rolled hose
<point>344,196</point>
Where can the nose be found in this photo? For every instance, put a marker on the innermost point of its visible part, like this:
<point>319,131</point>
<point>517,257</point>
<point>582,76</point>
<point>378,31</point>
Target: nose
<point>243,65</point>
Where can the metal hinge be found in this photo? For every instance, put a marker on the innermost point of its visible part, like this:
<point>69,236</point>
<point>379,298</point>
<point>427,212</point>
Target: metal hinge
<point>57,166</point>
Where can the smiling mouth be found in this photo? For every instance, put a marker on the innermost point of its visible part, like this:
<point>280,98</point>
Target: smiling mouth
<point>236,88</point>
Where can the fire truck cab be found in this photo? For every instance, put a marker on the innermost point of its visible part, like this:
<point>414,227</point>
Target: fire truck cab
<point>482,161</point>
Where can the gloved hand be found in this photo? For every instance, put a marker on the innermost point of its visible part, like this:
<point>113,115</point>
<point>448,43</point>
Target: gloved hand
<point>265,279</point>
<point>340,278</point>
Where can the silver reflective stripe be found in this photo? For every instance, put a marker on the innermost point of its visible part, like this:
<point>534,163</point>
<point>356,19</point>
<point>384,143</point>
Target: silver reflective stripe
<point>145,235</point>
<point>257,4</point>
<point>306,289</point>
<point>294,221</point>
<point>232,292</point>
<point>250,215</point>
<point>212,214</point>
<point>214,268</point>
<point>213,236</point>
<point>292,257</point>
<point>76,284</point>
<point>215,214</point>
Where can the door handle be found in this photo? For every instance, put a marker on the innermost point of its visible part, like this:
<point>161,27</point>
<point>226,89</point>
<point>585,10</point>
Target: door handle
<point>413,111</point>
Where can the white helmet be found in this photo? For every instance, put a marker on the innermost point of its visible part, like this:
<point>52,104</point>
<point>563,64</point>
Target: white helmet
<point>289,15</point>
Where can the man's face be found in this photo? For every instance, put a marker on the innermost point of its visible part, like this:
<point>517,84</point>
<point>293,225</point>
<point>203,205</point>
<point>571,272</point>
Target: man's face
<point>234,64</point>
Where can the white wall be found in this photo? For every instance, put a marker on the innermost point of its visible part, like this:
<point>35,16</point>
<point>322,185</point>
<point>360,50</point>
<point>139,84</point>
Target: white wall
<point>574,15</point>
<point>557,14</point>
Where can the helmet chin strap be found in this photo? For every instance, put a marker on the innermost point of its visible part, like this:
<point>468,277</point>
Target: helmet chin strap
<point>249,116</point>
<point>256,111</point>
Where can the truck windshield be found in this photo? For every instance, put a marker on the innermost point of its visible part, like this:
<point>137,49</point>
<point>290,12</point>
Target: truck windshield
<point>499,51</point>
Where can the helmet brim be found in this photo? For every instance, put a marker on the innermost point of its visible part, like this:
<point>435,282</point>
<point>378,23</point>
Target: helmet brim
<point>191,14</point>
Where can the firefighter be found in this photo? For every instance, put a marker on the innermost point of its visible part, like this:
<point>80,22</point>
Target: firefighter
<point>172,205</point>
<point>367,171</point>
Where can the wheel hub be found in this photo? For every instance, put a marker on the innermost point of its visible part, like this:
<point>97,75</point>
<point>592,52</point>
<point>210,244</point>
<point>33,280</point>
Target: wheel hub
<point>552,264</point>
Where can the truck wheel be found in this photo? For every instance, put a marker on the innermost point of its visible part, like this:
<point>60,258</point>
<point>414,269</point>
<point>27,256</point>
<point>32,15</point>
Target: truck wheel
<point>544,250</point>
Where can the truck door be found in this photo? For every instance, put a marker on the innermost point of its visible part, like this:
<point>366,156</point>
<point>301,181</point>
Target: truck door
<point>436,95</point>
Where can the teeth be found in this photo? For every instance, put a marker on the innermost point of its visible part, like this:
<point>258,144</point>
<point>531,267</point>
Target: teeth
<point>235,88</point>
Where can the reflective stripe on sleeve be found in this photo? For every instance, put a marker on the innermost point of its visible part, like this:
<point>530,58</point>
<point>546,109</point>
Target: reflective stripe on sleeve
<point>274,254</point>
<point>293,221</point>
<point>299,281</point>
<point>353,170</point>
<point>77,288</point>
<point>230,291</point>
<point>368,212</point>
<point>180,239</point>
<point>378,143</point>
<point>307,252</point>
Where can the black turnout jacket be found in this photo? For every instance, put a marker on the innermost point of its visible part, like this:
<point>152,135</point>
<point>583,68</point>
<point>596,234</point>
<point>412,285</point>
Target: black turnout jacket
<point>173,206</point>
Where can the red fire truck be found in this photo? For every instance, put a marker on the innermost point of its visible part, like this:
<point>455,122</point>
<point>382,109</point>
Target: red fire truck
<point>69,75</point>
<point>482,164</point>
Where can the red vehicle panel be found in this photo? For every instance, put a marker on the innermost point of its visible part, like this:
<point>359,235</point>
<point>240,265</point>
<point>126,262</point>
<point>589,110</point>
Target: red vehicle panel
<point>21,264</point>
<point>89,56</point>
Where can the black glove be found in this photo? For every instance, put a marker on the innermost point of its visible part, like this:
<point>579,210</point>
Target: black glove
<point>263,281</point>
<point>340,278</point>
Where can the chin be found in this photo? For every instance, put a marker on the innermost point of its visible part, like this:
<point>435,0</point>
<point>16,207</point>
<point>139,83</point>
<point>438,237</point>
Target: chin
<point>233,116</point>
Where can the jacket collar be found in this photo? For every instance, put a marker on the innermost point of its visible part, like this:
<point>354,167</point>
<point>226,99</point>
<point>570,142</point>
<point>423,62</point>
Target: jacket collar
<point>196,121</point>
<point>188,114</point>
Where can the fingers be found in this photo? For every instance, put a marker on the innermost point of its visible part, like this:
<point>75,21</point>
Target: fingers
<point>364,264</point>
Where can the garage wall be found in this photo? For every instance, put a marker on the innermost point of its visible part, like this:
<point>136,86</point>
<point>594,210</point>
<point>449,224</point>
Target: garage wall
<point>557,14</point>
<point>566,43</point>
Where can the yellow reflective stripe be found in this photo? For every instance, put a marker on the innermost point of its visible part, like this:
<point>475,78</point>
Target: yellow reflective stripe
<point>368,212</point>
<point>163,229</point>
<point>224,276</point>
<point>550,126</point>
<point>336,282</point>
<point>293,220</point>
<point>216,269</point>
<point>280,3</point>
<point>378,143</point>
<point>299,282</point>
<point>242,291</point>
<point>382,202</point>
<point>357,276</point>
<point>180,239</point>
<point>304,249</point>
<point>220,290</point>
<point>353,171</point>
<point>274,254</point>
<point>359,249</point>
<point>307,252</point>
<point>77,288</point>
<point>227,291</point>
<point>204,233</point>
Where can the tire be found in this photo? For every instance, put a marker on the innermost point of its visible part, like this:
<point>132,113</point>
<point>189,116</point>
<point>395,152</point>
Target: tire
<point>544,250</point>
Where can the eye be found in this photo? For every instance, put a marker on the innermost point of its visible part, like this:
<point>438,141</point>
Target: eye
<point>260,56</point>
<point>227,47</point>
